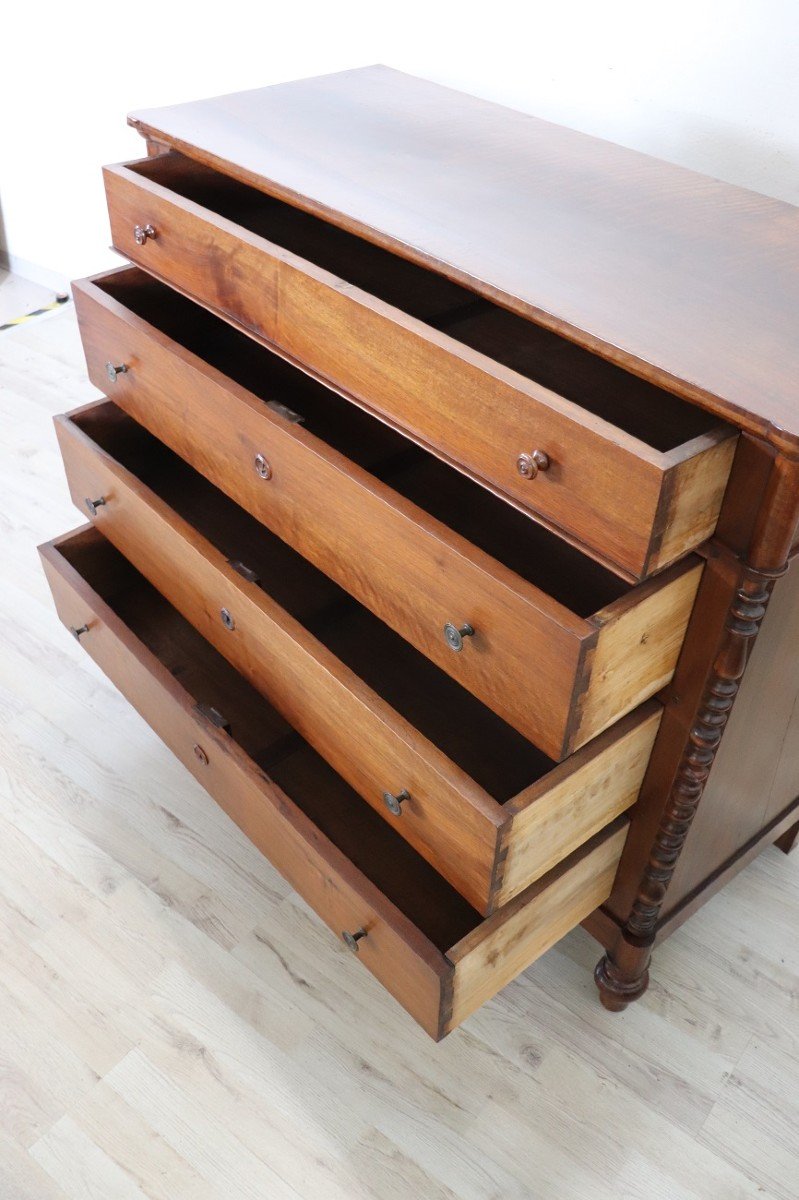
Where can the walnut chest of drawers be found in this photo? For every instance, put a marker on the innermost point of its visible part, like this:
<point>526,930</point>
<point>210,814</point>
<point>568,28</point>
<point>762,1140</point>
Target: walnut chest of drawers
<point>448,464</point>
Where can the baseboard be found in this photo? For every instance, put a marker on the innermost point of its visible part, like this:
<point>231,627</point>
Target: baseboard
<point>44,276</point>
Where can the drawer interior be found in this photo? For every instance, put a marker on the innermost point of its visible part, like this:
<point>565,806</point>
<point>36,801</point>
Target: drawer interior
<point>370,843</point>
<point>527,548</point>
<point>644,411</point>
<point>495,755</point>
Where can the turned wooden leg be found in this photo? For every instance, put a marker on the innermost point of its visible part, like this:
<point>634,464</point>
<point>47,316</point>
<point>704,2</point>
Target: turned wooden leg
<point>623,974</point>
<point>788,840</point>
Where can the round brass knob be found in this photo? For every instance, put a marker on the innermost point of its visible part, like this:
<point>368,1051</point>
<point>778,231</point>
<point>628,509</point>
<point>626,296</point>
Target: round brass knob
<point>142,232</point>
<point>93,505</point>
<point>113,372</point>
<point>528,465</point>
<point>227,618</point>
<point>351,939</point>
<point>262,467</point>
<point>455,634</point>
<point>77,631</point>
<point>394,803</point>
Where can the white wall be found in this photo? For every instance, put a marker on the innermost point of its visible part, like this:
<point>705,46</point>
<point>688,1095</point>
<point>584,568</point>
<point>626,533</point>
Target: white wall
<point>711,84</point>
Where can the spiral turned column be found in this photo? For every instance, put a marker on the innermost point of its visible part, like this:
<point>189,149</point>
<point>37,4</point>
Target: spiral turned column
<point>622,975</point>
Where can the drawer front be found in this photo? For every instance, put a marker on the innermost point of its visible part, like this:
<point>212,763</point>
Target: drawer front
<point>410,570</point>
<point>488,850</point>
<point>438,989</point>
<point>448,818</point>
<point>530,659</point>
<point>404,962</point>
<point>635,507</point>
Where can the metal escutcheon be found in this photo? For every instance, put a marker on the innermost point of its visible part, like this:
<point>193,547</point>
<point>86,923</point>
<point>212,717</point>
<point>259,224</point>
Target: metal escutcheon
<point>528,465</point>
<point>113,372</point>
<point>227,618</point>
<point>351,939</point>
<point>394,803</point>
<point>262,467</point>
<point>76,631</point>
<point>93,505</point>
<point>455,634</point>
<point>142,232</point>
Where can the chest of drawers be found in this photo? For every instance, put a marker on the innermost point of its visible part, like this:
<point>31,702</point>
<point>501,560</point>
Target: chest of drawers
<point>446,470</point>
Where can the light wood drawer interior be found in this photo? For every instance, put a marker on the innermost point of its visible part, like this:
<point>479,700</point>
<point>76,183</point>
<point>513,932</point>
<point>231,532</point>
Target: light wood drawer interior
<point>490,811</point>
<point>425,943</point>
<point>562,647</point>
<point>636,474</point>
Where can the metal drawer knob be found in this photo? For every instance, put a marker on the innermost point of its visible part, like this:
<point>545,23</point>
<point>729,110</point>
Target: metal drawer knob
<point>93,505</point>
<point>77,631</point>
<point>114,371</point>
<point>142,232</point>
<point>262,467</point>
<point>528,465</point>
<point>227,618</point>
<point>394,803</point>
<point>455,634</point>
<point>351,939</point>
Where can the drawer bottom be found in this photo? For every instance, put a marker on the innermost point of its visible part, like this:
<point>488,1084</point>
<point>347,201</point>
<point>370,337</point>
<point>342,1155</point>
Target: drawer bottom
<point>431,950</point>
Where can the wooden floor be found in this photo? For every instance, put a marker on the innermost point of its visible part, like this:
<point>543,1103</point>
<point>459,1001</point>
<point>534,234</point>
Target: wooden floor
<point>175,1025</point>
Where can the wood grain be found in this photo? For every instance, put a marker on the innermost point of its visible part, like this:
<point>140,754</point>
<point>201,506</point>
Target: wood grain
<point>408,568</point>
<point>398,953</point>
<point>622,975</point>
<point>693,283</point>
<point>694,492</point>
<point>756,774</point>
<point>409,966</point>
<point>452,821</point>
<point>231,1043</point>
<point>637,648</point>
<point>508,942</point>
<point>603,487</point>
<point>578,803</point>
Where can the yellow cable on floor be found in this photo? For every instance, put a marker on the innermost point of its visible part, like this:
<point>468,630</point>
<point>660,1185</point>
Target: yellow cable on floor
<point>37,312</point>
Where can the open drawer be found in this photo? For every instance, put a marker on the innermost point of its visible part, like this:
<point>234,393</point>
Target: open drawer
<point>622,467</point>
<point>560,648</point>
<point>483,805</point>
<point>413,931</point>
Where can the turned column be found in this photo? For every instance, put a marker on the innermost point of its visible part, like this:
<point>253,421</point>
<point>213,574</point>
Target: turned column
<point>622,975</point>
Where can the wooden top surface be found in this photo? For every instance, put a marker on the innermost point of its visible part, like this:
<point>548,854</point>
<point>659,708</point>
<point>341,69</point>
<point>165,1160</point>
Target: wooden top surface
<point>687,281</point>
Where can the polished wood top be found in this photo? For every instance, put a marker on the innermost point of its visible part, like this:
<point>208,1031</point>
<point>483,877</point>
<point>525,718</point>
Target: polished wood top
<point>687,281</point>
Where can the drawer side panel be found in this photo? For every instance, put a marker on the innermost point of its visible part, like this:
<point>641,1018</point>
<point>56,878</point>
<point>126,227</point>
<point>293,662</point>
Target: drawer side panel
<point>507,943</point>
<point>548,825</point>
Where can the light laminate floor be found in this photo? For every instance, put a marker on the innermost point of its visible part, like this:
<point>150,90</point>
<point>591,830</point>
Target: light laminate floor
<point>19,296</point>
<point>174,1024</point>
